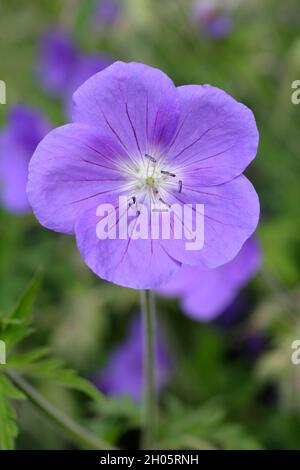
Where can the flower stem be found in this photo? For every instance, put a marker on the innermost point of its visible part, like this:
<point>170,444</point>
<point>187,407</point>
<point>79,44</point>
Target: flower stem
<point>149,404</point>
<point>72,429</point>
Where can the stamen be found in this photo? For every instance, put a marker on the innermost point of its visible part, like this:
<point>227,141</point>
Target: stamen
<point>152,159</point>
<point>133,201</point>
<point>163,172</point>
<point>164,202</point>
<point>179,186</point>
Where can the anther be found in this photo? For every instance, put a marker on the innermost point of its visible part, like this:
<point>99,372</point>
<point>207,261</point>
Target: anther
<point>163,172</point>
<point>133,201</point>
<point>164,202</point>
<point>179,186</point>
<point>152,159</point>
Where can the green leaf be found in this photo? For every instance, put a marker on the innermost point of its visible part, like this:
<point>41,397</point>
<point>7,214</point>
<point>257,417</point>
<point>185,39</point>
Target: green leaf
<point>22,360</point>
<point>8,427</point>
<point>56,371</point>
<point>23,309</point>
<point>9,390</point>
<point>115,417</point>
<point>204,428</point>
<point>36,363</point>
<point>16,325</point>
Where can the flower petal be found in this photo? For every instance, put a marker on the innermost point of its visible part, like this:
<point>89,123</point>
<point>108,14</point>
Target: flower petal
<point>71,170</point>
<point>206,293</point>
<point>14,171</point>
<point>216,138</point>
<point>134,103</point>
<point>123,372</point>
<point>211,301</point>
<point>24,128</point>
<point>86,66</point>
<point>231,213</point>
<point>138,264</point>
<point>203,292</point>
<point>217,288</point>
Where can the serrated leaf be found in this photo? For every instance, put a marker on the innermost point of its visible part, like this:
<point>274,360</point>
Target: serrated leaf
<point>15,326</point>
<point>23,309</point>
<point>8,390</point>
<point>56,371</point>
<point>26,358</point>
<point>204,428</point>
<point>8,426</point>
<point>117,416</point>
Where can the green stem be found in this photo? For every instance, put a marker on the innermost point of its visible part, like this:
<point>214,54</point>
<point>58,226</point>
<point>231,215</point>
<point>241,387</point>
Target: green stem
<point>71,428</point>
<point>149,404</point>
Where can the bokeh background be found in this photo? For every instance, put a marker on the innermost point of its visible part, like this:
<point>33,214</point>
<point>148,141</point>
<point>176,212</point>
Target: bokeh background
<point>228,383</point>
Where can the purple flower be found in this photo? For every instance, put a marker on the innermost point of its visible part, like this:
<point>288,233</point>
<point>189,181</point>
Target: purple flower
<point>63,68</point>
<point>137,136</point>
<point>58,59</point>
<point>18,139</point>
<point>206,293</point>
<point>107,12</point>
<point>123,373</point>
<point>213,17</point>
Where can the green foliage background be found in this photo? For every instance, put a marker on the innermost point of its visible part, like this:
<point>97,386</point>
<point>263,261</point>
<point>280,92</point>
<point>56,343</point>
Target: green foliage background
<point>218,397</point>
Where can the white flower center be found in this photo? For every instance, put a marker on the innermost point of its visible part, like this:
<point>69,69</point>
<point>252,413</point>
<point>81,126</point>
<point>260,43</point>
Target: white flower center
<point>149,182</point>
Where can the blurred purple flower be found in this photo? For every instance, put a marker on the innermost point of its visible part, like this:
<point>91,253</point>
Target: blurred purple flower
<point>23,131</point>
<point>198,134</point>
<point>63,68</point>
<point>254,344</point>
<point>206,293</point>
<point>213,17</point>
<point>123,373</point>
<point>107,12</point>
<point>57,61</point>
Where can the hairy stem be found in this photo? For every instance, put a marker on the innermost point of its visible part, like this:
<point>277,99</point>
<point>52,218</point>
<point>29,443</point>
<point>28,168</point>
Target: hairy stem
<point>78,434</point>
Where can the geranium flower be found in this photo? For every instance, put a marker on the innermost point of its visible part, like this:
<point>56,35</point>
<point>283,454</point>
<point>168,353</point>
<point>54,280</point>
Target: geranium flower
<point>24,129</point>
<point>213,17</point>
<point>107,12</point>
<point>63,68</point>
<point>206,293</point>
<point>123,373</point>
<point>58,58</point>
<point>135,134</point>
